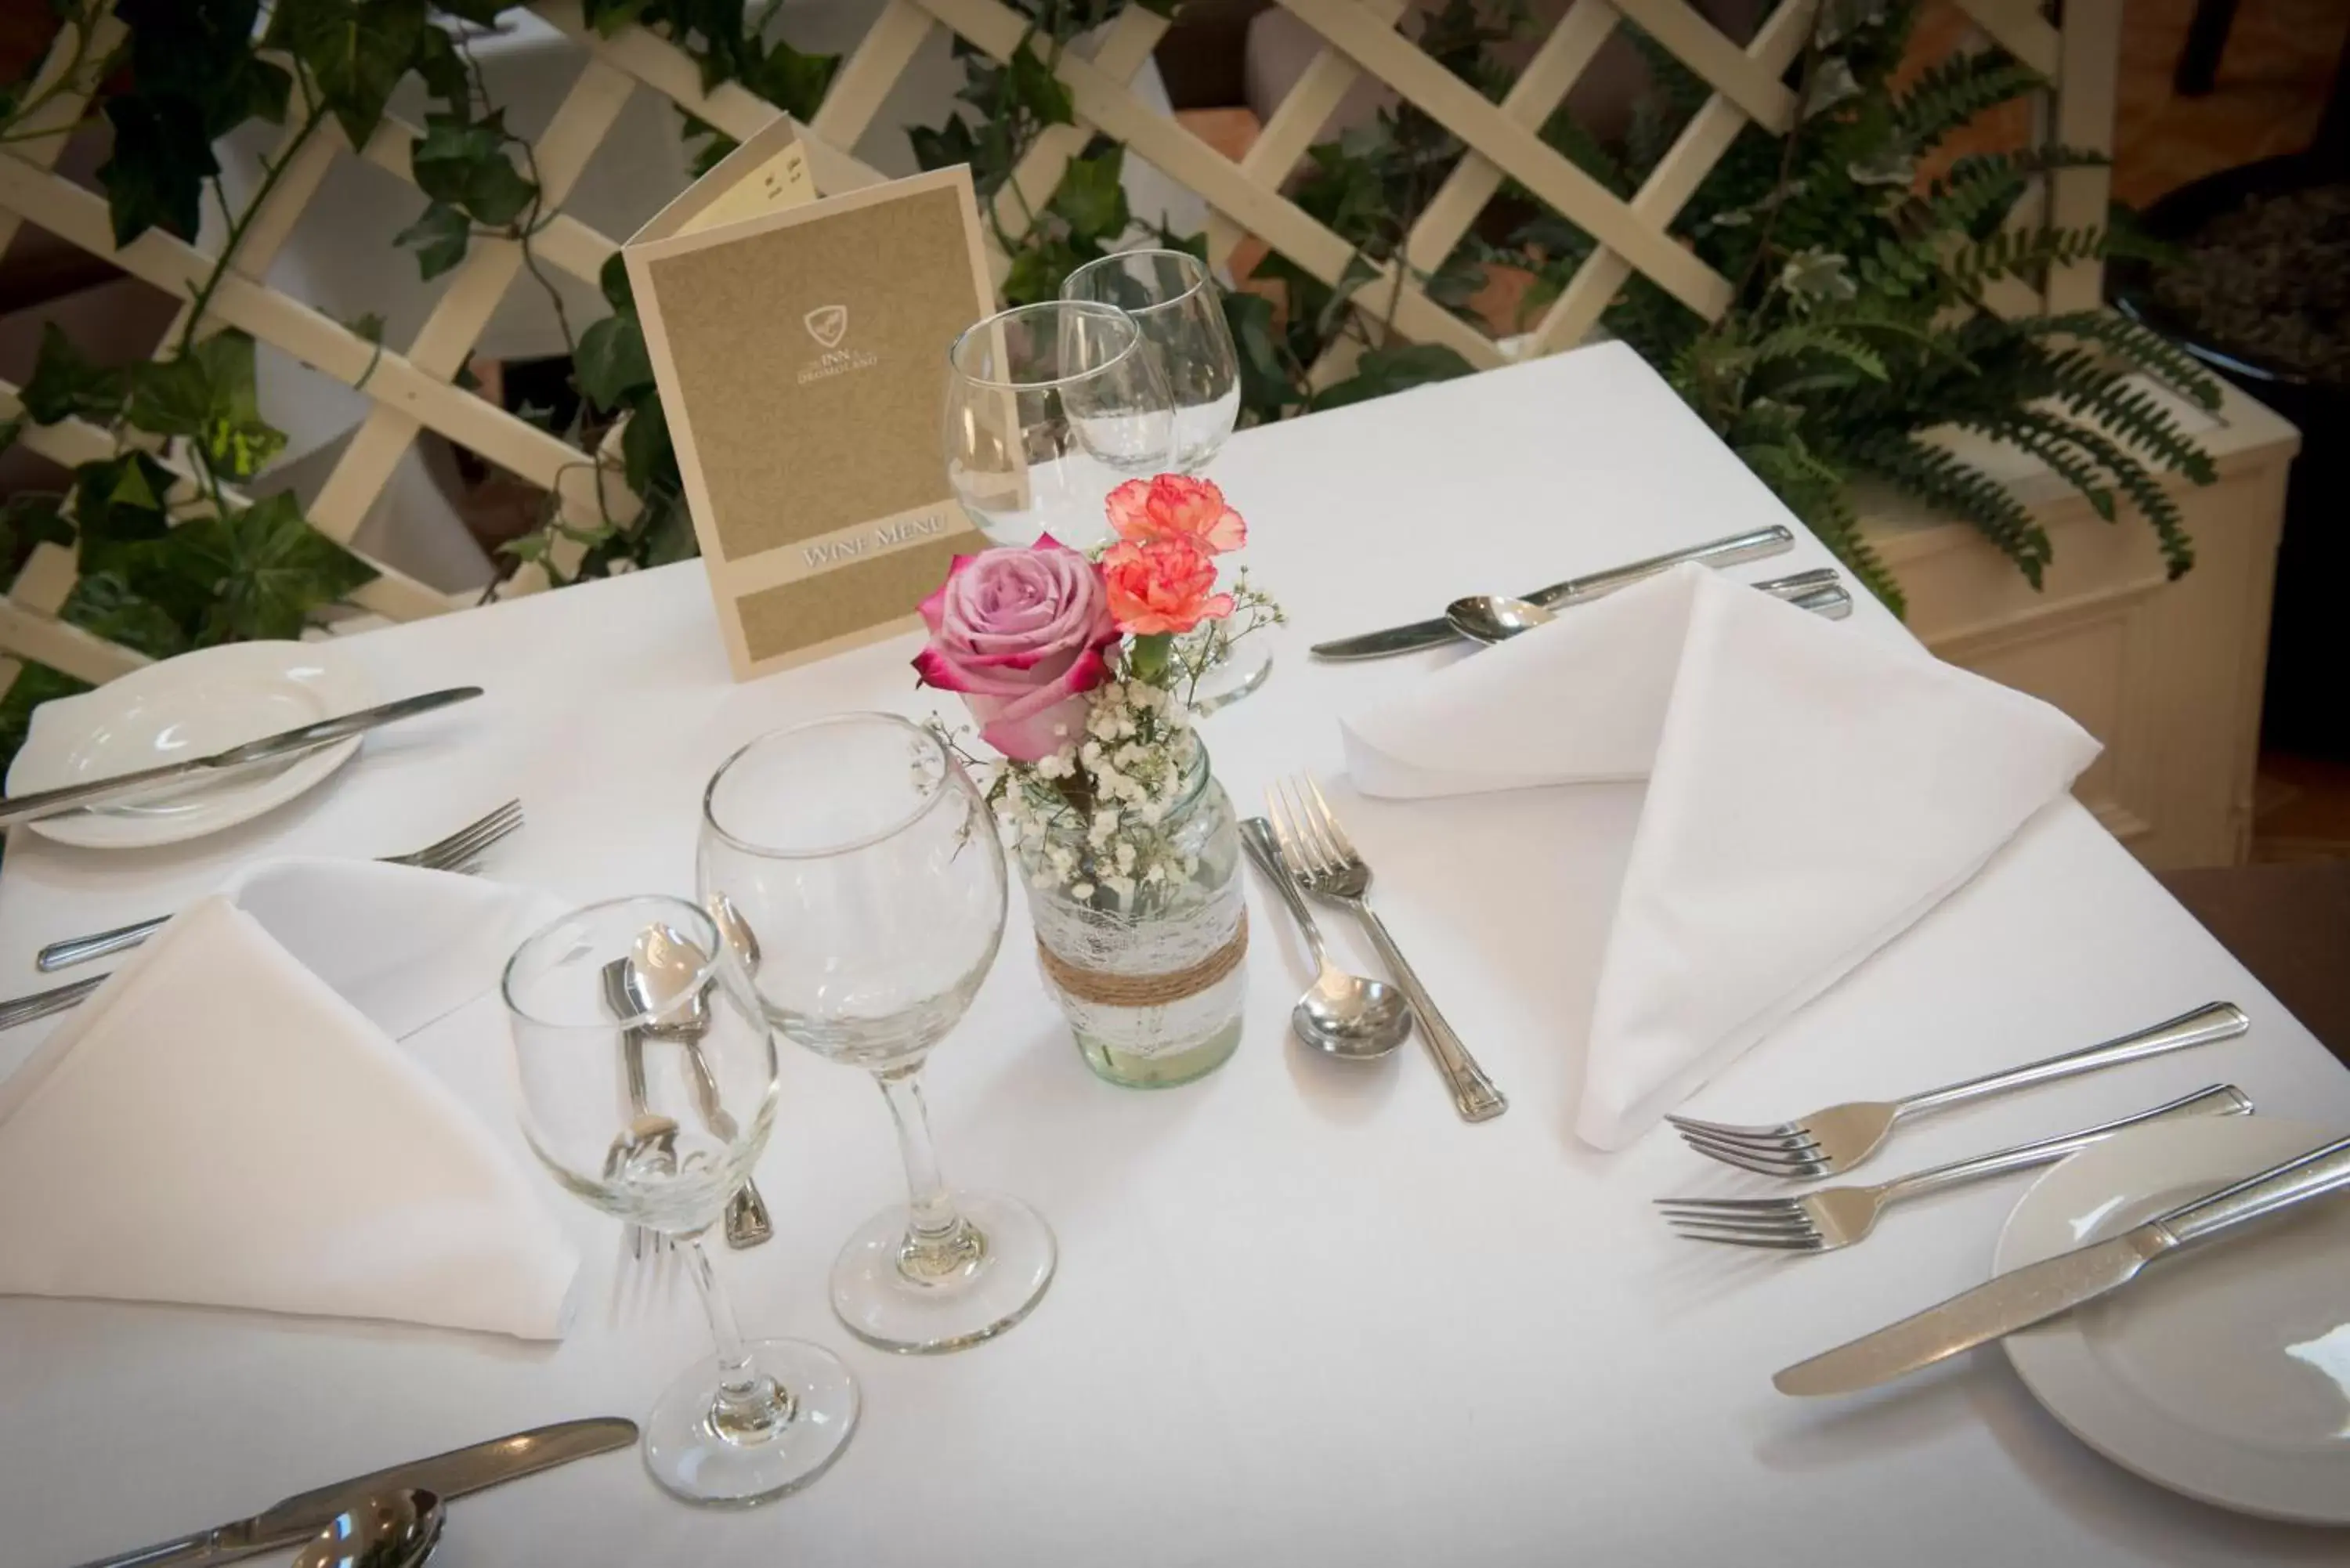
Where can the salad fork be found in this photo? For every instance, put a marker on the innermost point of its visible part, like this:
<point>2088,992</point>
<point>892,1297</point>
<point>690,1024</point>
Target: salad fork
<point>1834,1217</point>
<point>461,851</point>
<point>1327,865</point>
<point>1831,1141</point>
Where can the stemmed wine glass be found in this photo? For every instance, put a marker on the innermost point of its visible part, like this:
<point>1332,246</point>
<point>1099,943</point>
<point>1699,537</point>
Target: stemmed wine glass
<point>1171,298</point>
<point>599,1080</point>
<point>855,858</point>
<point>1049,407</point>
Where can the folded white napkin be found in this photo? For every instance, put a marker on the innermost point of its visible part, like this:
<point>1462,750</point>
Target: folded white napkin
<point>229,1122</point>
<point>1813,790</point>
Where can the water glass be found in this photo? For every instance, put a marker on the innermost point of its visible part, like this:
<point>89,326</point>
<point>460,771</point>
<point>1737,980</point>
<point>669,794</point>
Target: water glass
<point>857,871</point>
<point>653,1107</point>
<point>1049,407</point>
<point>1175,302</point>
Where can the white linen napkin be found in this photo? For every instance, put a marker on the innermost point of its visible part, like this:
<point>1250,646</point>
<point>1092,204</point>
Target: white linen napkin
<point>1813,790</point>
<point>229,1122</point>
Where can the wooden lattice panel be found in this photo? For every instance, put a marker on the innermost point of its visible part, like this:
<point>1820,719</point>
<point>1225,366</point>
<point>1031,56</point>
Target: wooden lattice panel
<point>412,388</point>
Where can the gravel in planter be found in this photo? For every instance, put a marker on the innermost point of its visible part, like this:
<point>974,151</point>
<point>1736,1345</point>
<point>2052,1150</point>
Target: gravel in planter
<point>2271,281</point>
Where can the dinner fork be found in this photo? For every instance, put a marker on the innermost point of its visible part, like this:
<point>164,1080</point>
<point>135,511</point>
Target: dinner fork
<point>461,851</point>
<point>1833,1216</point>
<point>1832,1141</point>
<point>1327,866</point>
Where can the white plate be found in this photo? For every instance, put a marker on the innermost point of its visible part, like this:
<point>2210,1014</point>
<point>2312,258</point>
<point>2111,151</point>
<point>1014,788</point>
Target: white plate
<point>2224,1375</point>
<point>184,707</point>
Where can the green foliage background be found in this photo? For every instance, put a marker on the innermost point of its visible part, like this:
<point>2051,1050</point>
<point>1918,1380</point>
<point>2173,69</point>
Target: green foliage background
<point>1859,321</point>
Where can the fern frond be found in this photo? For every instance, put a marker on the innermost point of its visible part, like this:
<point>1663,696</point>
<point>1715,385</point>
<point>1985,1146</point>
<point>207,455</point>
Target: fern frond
<point>1804,338</point>
<point>2013,251</point>
<point>1954,90</point>
<point>2146,351</point>
<point>2052,448</point>
<point>1982,185</point>
<point>2094,390</point>
<point>1815,491</point>
<point>2132,477</point>
<point>1934,476</point>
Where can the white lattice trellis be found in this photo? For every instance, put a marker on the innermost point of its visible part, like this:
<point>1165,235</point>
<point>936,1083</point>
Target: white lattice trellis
<point>412,389</point>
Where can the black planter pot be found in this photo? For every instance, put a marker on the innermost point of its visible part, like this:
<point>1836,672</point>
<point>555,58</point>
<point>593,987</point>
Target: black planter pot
<point>2307,710</point>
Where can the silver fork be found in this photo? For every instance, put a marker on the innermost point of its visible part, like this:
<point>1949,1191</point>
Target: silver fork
<point>1327,865</point>
<point>1836,1217</point>
<point>1832,1140</point>
<point>459,852</point>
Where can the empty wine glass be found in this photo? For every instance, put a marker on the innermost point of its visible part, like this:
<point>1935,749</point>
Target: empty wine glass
<point>1173,299</point>
<point>610,1103</point>
<point>1049,407</point>
<point>855,858</point>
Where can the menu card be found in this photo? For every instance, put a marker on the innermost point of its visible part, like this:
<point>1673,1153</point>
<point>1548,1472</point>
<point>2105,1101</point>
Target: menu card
<point>800,347</point>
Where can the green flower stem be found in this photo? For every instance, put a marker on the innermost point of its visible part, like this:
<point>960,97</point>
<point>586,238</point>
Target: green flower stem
<point>1148,659</point>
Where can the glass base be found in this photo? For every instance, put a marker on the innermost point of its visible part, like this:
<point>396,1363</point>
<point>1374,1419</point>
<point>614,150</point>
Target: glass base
<point>963,1289</point>
<point>1161,1072</point>
<point>1234,681</point>
<point>692,1458</point>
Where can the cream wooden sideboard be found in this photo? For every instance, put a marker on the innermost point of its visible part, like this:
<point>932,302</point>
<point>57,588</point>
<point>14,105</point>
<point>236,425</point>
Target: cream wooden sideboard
<point>2167,674</point>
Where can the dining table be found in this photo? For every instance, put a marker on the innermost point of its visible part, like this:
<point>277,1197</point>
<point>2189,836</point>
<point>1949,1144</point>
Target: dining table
<point>1305,1313</point>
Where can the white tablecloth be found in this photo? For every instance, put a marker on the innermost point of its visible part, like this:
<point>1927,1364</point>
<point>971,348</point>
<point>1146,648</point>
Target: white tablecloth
<point>1305,1313</point>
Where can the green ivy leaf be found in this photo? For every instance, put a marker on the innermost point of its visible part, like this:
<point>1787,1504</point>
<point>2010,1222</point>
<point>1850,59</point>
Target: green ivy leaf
<point>944,147</point>
<point>792,81</point>
<point>1266,389</point>
<point>357,51</point>
<point>31,517</point>
<point>117,508</point>
<point>463,164</point>
<point>1090,198</point>
<point>443,70</point>
<point>1038,269</point>
<point>609,16</point>
<point>612,361</point>
<point>438,238</point>
<point>612,277</point>
<point>1385,370</point>
<point>645,449</point>
<point>64,383</point>
<point>154,178</point>
<point>1037,90</point>
<point>105,603</point>
<point>170,396</point>
<point>236,438</point>
<point>271,571</point>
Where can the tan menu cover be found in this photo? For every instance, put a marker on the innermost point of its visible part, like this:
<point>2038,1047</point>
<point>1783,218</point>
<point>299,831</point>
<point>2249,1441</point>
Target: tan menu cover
<point>801,355</point>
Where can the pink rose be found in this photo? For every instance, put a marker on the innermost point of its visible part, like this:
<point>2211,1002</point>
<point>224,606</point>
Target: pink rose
<point>1162,585</point>
<point>1020,635</point>
<point>1176,506</point>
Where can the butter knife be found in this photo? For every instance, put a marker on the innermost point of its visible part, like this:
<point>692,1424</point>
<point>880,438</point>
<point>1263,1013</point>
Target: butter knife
<point>174,776</point>
<point>453,1474</point>
<point>1753,546</point>
<point>2021,1297</point>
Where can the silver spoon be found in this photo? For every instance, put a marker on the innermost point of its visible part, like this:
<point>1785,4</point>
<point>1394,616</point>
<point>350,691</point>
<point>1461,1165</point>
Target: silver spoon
<point>393,1530</point>
<point>735,931</point>
<point>664,970</point>
<point>1495,618</point>
<point>1341,1014</point>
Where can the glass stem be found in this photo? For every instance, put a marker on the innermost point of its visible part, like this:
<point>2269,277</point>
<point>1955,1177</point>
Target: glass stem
<point>940,1243</point>
<point>750,1408</point>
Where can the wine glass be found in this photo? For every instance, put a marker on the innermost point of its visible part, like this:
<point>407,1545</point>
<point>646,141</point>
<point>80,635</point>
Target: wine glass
<point>854,857</point>
<point>1049,407</point>
<point>1174,301</point>
<point>656,1113</point>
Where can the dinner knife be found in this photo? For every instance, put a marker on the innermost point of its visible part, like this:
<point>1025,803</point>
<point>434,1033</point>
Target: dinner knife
<point>1752,545</point>
<point>453,1474</point>
<point>269,748</point>
<point>2021,1297</point>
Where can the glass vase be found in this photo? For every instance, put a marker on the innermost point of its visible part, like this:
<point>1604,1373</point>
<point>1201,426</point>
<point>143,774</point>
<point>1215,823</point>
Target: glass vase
<point>1150,971</point>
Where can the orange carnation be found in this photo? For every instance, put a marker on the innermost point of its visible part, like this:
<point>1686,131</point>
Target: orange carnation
<point>1162,584</point>
<point>1176,506</point>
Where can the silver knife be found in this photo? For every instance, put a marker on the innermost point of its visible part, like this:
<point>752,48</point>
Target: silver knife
<point>453,1474</point>
<point>2021,1297</point>
<point>1753,546</point>
<point>269,748</point>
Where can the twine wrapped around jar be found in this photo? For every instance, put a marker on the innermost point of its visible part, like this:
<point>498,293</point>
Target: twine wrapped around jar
<point>1107,990</point>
